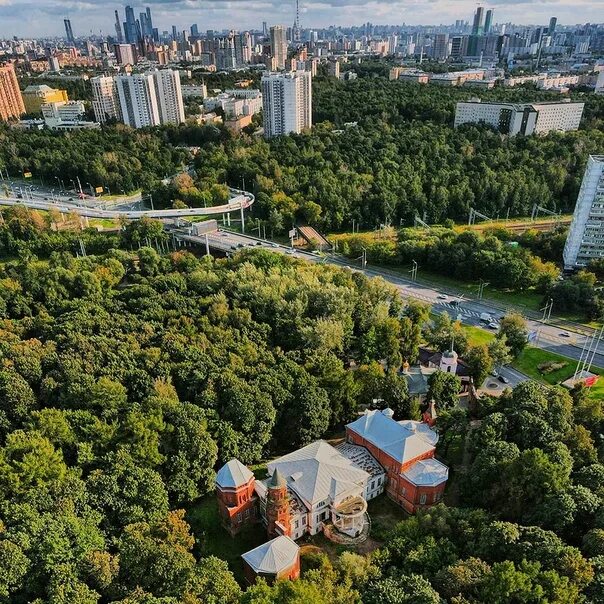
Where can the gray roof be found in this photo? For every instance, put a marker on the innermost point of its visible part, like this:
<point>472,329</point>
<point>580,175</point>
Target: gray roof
<point>273,556</point>
<point>428,472</point>
<point>233,474</point>
<point>319,471</point>
<point>398,441</point>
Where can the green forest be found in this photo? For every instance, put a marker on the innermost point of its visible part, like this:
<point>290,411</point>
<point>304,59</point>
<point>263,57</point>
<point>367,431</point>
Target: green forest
<point>130,374</point>
<point>381,153</point>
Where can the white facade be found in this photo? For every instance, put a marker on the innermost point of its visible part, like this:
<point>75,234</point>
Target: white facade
<point>287,102</point>
<point>320,479</point>
<point>143,99</point>
<point>66,111</point>
<point>526,119</point>
<point>105,100</point>
<point>169,96</point>
<point>191,91</point>
<point>138,100</point>
<point>586,237</point>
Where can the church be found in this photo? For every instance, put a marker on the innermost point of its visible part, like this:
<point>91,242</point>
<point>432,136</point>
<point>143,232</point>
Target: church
<point>321,484</point>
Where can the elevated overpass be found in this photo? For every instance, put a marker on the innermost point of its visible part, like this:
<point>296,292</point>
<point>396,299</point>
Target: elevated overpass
<point>240,201</point>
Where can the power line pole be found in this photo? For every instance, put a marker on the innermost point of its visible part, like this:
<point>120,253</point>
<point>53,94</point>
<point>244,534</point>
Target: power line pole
<point>414,271</point>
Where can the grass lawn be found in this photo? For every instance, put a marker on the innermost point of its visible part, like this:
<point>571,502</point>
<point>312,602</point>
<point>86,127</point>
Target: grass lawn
<point>213,540</point>
<point>478,336</point>
<point>530,359</point>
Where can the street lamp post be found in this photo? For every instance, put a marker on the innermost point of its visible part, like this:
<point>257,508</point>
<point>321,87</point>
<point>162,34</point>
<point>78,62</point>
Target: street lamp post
<point>483,284</point>
<point>414,271</point>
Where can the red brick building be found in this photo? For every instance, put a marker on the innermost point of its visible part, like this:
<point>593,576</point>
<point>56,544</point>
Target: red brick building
<point>276,559</point>
<point>278,515</point>
<point>415,479</point>
<point>237,500</point>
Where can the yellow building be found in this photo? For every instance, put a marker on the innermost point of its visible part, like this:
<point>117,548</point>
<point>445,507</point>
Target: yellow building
<point>36,96</point>
<point>11,102</point>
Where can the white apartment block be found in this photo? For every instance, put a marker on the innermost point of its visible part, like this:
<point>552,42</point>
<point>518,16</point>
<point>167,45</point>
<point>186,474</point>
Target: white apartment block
<point>287,102</point>
<point>190,91</point>
<point>138,100</point>
<point>586,236</point>
<point>105,100</point>
<point>169,96</point>
<point>521,118</point>
<point>234,104</point>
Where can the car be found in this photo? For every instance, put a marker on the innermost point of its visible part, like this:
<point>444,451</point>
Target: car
<point>274,245</point>
<point>290,252</point>
<point>258,242</point>
<point>495,373</point>
<point>564,334</point>
<point>441,297</point>
<point>240,245</point>
<point>19,196</point>
<point>233,247</point>
<point>454,302</point>
<point>493,325</point>
<point>46,199</point>
<point>503,379</point>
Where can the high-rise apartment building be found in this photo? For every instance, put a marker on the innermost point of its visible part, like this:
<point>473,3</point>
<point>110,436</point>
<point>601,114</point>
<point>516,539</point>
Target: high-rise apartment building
<point>125,54</point>
<point>11,101</point>
<point>279,45</point>
<point>287,102</point>
<point>586,236</point>
<point>138,100</point>
<point>169,96</point>
<point>69,32</point>
<point>440,48</point>
<point>105,99</point>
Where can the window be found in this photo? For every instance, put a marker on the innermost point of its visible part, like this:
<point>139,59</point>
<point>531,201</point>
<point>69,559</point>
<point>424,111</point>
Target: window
<point>303,520</point>
<point>246,514</point>
<point>379,481</point>
<point>403,491</point>
<point>422,499</point>
<point>239,517</point>
<point>296,524</point>
<point>372,485</point>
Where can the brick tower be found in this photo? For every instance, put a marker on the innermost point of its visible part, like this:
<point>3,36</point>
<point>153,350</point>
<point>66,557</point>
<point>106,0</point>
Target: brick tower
<point>237,501</point>
<point>278,516</point>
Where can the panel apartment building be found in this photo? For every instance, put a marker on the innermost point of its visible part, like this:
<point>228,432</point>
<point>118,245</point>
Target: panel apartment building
<point>586,236</point>
<point>287,102</point>
<point>521,118</point>
<point>11,101</point>
<point>139,100</point>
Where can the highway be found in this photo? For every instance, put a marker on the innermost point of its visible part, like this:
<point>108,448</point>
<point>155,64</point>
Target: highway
<point>549,337</point>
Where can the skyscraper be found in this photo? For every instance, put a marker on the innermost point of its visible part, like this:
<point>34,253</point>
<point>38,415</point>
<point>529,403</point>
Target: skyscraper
<point>105,100</point>
<point>69,32</point>
<point>440,48</point>
<point>287,102</point>
<point>11,101</point>
<point>279,45</point>
<point>552,26</point>
<point>118,28</point>
<point>130,27</point>
<point>586,237</point>
<point>125,54</point>
<point>169,96</point>
<point>478,26</point>
<point>488,22</point>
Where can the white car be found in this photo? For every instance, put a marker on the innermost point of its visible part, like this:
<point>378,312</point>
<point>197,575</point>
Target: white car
<point>494,325</point>
<point>441,297</point>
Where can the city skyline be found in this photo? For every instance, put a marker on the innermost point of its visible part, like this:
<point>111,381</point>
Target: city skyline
<point>46,17</point>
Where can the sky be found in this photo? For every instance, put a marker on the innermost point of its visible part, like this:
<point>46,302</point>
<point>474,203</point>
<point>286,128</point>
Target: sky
<point>35,18</point>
